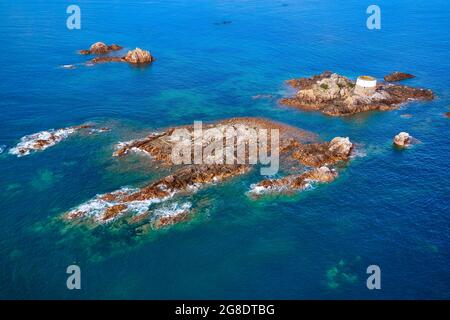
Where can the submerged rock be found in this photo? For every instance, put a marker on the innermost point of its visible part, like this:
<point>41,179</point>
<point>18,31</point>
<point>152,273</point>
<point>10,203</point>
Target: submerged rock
<point>99,130</point>
<point>403,139</point>
<point>336,95</point>
<point>100,48</point>
<point>398,76</point>
<point>170,215</point>
<point>43,140</point>
<point>262,96</point>
<point>2,148</point>
<point>224,22</point>
<point>342,274</point>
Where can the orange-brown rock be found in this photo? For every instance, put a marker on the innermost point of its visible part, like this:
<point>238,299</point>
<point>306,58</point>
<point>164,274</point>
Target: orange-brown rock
<point>294,182</point>
<point>113,211</point>
<point>100,48</point>
<point>107,59</point>
<point>138,56</point>
<point>398,76</point>
<point>159,145</point>
<point>170,220</point>
<point>320,154</point>
<point>43,140</point>
<point>141,204</point>
<point>186,180</point>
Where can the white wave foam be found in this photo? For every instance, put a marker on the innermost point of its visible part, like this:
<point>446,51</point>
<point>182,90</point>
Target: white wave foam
<point>172,210</point>
<point>124,144</point>
<point>97,207</point>
<point>68,66</point>
<point>99,130</point>
<point>256,189</point>
<point>40,141</point>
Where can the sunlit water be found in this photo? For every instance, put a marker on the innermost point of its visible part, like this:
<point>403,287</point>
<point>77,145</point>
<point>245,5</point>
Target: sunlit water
<point>388,208</point>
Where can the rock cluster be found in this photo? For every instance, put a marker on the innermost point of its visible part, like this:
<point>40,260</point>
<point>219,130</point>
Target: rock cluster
<point>136,56</point>
<point>335,95</point>
<point>317,155</point>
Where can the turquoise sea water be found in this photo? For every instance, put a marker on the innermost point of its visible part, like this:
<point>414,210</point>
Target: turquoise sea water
<point>388,207</point>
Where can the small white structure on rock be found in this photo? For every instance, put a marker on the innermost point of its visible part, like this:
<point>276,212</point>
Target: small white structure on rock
<point>365,85</point>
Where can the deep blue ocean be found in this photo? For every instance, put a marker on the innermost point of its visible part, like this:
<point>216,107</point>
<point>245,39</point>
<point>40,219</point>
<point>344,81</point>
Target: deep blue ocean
<point>388,207</point>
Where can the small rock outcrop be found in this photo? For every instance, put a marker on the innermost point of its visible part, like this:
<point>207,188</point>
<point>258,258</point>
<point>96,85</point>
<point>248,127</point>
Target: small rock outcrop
<point>43,140</point>
<point>403,139</point>
<point>293,183</point>
<point>321,154</point>
<point>398,76</point>
<point>136,57</point>
<point>107,59</point>
<point>48,138</point>
<point>100,48</point>
<point>341,146</point>
<point>335,95</point>
<point>262,96</point>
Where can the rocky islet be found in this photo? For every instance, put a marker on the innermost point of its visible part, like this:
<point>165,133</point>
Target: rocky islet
<point>136,56</point>
<point>336,95</point>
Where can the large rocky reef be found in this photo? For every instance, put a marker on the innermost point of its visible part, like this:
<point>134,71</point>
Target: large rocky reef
<point>304,159</point>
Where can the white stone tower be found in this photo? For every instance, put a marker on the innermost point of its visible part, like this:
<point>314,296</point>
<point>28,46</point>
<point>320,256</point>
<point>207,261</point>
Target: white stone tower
<point>365,85</point>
